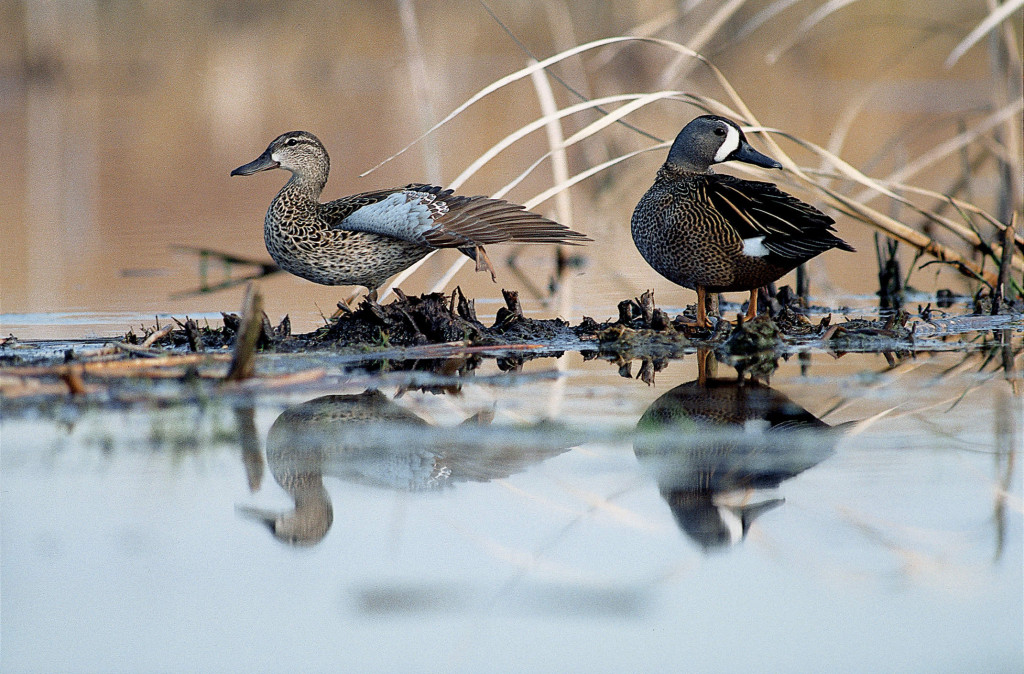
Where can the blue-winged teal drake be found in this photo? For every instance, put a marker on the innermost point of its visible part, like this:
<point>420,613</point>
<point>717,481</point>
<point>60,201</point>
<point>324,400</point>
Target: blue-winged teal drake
<point>717,233</point>
<point>364,239</point>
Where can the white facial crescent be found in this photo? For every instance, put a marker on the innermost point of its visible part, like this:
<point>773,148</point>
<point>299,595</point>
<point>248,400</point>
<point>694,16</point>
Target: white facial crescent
<point>729,145</point>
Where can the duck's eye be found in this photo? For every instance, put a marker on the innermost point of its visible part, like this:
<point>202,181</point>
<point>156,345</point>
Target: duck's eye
<point>290,142</point>
<point>719,131</point>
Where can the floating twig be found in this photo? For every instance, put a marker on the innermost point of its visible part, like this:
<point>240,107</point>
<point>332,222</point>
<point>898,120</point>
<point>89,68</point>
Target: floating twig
<point>158,335</point>
<point>140,350</point>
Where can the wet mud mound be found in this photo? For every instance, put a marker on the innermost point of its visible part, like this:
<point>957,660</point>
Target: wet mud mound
<point>429,319</point>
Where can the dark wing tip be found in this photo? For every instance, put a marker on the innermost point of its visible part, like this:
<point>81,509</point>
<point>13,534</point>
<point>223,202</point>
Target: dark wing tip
<point>481,220</point>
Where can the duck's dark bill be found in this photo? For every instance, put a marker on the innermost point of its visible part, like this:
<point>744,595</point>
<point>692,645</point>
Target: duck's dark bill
<point>261,163</point>
<point>748,154</point>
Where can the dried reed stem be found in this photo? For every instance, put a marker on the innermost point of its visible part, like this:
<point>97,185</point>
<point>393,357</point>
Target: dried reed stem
<point>855,206</point>
<point>1003,286</point>
<point>418,81</point>
<point>681,65</point>
<point>998,15</point>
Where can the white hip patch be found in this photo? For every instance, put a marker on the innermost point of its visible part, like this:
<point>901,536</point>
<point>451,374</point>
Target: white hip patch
<point>729,145</point>
<point>754,247</point>
<point>733,523</point>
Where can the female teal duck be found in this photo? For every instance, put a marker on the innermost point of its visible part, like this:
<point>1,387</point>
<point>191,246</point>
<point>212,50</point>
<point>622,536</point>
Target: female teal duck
<point>717,233</point>
<point>366,238</point>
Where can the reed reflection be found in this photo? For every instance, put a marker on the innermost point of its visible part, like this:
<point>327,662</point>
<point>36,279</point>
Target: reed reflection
<point>717,448</point>
<point>369,439</point>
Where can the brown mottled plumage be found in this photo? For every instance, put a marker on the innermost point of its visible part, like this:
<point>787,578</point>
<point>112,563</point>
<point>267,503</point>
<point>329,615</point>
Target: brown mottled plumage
<point>366,238</point>
<point>717,233</point>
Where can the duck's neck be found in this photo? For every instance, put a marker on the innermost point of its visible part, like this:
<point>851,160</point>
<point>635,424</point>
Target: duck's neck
<point>306,186</point>
<point>300,196</point>
<point>673,171</point>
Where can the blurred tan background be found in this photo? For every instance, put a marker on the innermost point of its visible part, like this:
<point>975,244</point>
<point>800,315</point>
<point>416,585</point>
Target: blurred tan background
<point>122,120</point>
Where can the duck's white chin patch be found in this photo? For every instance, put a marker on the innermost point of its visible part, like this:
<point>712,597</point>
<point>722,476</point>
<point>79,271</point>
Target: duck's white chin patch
<point>729,145</point>
<point>754,247</point>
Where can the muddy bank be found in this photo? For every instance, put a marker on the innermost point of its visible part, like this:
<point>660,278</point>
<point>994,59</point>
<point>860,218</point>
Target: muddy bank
<point>641,330</point>
<point>442,336</point>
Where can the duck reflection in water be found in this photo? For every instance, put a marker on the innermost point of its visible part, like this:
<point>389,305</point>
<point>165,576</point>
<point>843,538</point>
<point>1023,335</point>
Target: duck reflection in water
<point>369,439</point>
<point>713,444</point>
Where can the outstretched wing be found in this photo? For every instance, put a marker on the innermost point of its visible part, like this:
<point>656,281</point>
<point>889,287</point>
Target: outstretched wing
<point>784,225</point>
<point>436,217</point>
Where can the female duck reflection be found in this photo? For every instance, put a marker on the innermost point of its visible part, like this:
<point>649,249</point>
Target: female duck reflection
<point>711,443</point>
<point>369,439</point>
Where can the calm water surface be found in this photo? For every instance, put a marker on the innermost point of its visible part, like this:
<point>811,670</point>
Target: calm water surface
<point>562,517</point>
<point>850,515</point>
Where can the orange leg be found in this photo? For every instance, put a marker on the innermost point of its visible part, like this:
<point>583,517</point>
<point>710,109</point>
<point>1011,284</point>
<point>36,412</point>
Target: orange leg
<point>705,360</point>
<point>752,306</point>
<point>702,308</point>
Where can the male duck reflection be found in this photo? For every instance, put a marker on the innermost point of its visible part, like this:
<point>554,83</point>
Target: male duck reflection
<point>369,439</point>
<point>712,442</point>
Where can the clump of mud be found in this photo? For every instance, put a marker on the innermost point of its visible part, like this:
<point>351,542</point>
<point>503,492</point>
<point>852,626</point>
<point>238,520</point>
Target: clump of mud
<point>860,334</point>
<point>642,330</point>
<point>429,319</point>
<point>408,321</point>
<point>441,336</point>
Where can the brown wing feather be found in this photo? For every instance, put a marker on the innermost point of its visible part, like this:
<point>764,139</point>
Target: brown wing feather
<point>461,222</point>
<point>480,220</point>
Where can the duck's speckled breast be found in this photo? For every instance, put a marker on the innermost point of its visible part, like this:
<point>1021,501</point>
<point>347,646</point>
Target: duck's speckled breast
<point>681,235</point>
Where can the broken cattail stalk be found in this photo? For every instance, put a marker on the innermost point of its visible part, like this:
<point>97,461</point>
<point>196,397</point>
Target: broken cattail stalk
<point>647,307</point>
<point>243,359</point>
<point>512,302</point>
<point>1006,264</point>
<point>195,339</point>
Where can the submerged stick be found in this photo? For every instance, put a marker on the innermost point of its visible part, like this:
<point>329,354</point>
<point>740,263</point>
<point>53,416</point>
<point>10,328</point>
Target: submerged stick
<point>114,368</point>
<point>195,339</point>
